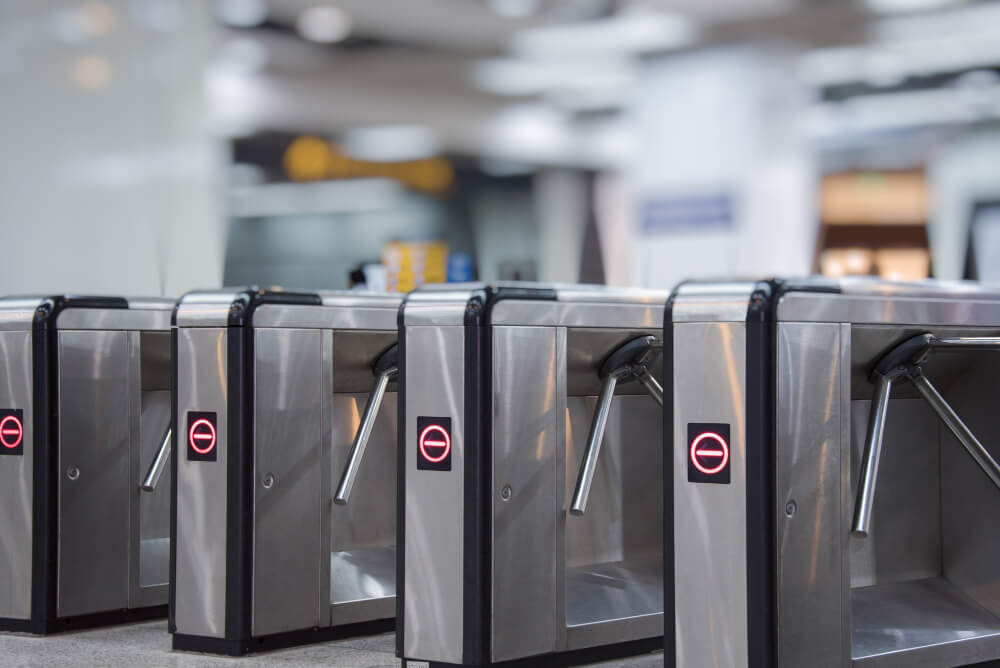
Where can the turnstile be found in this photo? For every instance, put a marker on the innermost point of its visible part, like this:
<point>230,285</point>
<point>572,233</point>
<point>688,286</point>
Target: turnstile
<point>283,534</point>
<point>84,427</point>
<point>520,535</point>
<point>825,509</point>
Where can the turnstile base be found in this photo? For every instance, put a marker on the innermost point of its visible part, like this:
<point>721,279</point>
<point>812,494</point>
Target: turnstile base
<point>570,658</point>
<point>61,624</point>
<point>926,622</point>
<point>226,647</point>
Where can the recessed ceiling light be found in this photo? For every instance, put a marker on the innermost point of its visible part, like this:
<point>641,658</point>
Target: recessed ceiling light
<point>515,9</point>
<point>241,13</point>
<point>324,23</point>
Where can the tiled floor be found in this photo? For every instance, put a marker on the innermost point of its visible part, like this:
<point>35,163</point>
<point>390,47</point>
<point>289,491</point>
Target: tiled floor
<point>148,646</point>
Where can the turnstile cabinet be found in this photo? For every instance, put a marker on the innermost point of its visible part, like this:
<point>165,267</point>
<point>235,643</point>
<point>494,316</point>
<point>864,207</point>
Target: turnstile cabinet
<point>826,511</point>
<point>84,419</point>
<point>530,490</point>
<point>277,394</point>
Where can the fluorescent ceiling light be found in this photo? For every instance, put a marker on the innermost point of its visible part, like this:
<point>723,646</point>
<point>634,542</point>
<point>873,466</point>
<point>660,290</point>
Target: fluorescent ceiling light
<point>635,30</point>
<point>514,9</point>
<point>324,23</point>
<point>514,76</point>
<point>906,6</point>
<point>391,143</point>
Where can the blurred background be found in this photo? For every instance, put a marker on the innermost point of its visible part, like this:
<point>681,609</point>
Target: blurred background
<point>156,146</point>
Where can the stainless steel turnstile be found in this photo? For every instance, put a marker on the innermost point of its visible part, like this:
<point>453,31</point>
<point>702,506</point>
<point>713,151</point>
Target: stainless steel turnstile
<point>84,424</point>
<point>530,489</point>
<point>835,487</point>
<point>285,468</point>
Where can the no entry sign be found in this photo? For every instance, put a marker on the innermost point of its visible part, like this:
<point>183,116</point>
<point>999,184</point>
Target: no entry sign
<point>11,431</point>
<point>709,455</point>
<point>202,436</point>
<point>434,443</point>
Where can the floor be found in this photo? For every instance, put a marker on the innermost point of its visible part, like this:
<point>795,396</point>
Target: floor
<point>148,646</point>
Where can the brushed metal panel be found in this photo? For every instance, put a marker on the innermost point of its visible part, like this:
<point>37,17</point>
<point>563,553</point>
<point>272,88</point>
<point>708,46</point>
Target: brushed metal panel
<point>888,309</point>
<point>970,504</point>
<point>202,374</point>
<point>383,316</point>
<point>154,507</point>
<point>528,392</point>
<point>289,440</point>
<point>578,314</point>
<point>368,522</point>
<point>905,538</point>
<point>710,570</point>
<point>94,438</point>
<point>434,499</point>
<point>812,455</point>
<point>16,479</point>
<point>18,313</point>
<point>114,319</point>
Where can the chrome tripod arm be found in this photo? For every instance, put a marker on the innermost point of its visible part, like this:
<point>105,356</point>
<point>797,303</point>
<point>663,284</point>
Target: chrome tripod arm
<point>629,362</point>
<point>159,463</point>
<point>386,368</point>
<point>905,362</point>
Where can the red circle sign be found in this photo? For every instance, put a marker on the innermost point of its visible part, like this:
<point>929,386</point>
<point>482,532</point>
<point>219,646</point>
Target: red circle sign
<point>11,432</point>
<point>201,430</point>
<point>709,453</point>
<point>444,442</point>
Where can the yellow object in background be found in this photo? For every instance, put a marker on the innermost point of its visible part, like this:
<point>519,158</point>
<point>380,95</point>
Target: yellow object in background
<point>409,265</point>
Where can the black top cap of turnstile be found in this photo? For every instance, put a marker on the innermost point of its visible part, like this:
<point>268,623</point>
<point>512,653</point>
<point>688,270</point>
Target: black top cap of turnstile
<point>52,306</point>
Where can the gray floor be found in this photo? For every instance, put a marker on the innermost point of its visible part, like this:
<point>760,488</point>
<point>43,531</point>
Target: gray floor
<point>148,645</point>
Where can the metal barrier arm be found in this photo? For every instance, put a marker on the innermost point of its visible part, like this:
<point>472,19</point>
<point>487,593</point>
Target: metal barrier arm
<point>629,362</point>
<point>386,369</point>
<point>905,361</point>
<point>159,463</point>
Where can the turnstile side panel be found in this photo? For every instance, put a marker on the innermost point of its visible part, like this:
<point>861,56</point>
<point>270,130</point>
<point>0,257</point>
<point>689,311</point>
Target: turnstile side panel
<point>94,472</point>
<point>16,479</point>
<point>812,473</point>
<point>710,545</point>
<point>202,375</point>
<point>434,503</point>
<point>290,399</point>
<point>528,422</point>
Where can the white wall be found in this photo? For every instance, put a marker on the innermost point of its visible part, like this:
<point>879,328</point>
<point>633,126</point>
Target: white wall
<point>962,173</point>
<point>722,123</point>
<point>109,177</point>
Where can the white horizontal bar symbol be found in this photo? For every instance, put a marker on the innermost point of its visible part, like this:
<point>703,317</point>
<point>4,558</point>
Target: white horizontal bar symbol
<point>203,436</point>
<point>710,453</point>
<point>11,431</point>
<point>438,444</point>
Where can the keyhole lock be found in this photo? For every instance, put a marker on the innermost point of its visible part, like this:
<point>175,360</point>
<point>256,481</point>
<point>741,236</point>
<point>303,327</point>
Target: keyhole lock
<point>790,508</point>
<point>73,473</point>
<point>268,481</point>
<point>506,493</point>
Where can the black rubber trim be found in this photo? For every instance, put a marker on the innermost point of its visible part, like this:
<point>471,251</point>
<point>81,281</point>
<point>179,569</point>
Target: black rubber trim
<point>252,645</point>
<point>572,657</point>
<point>45,384</point>
<point>760,479</point>
<point>902,355</point>
<point>239,473</point>
<point>476,520</point>
<point>669,594</point>
<point>79,622</point>
<point>174,450</point>
<point>401,431</point>
<point>779,287</point>
<point>388,359</point>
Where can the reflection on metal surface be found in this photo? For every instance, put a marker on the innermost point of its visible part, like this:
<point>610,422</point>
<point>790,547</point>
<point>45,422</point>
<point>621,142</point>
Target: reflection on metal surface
<point>903,623</point>
<point>870,458</point>
<point>614,590</point>
<point>362,574</point>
